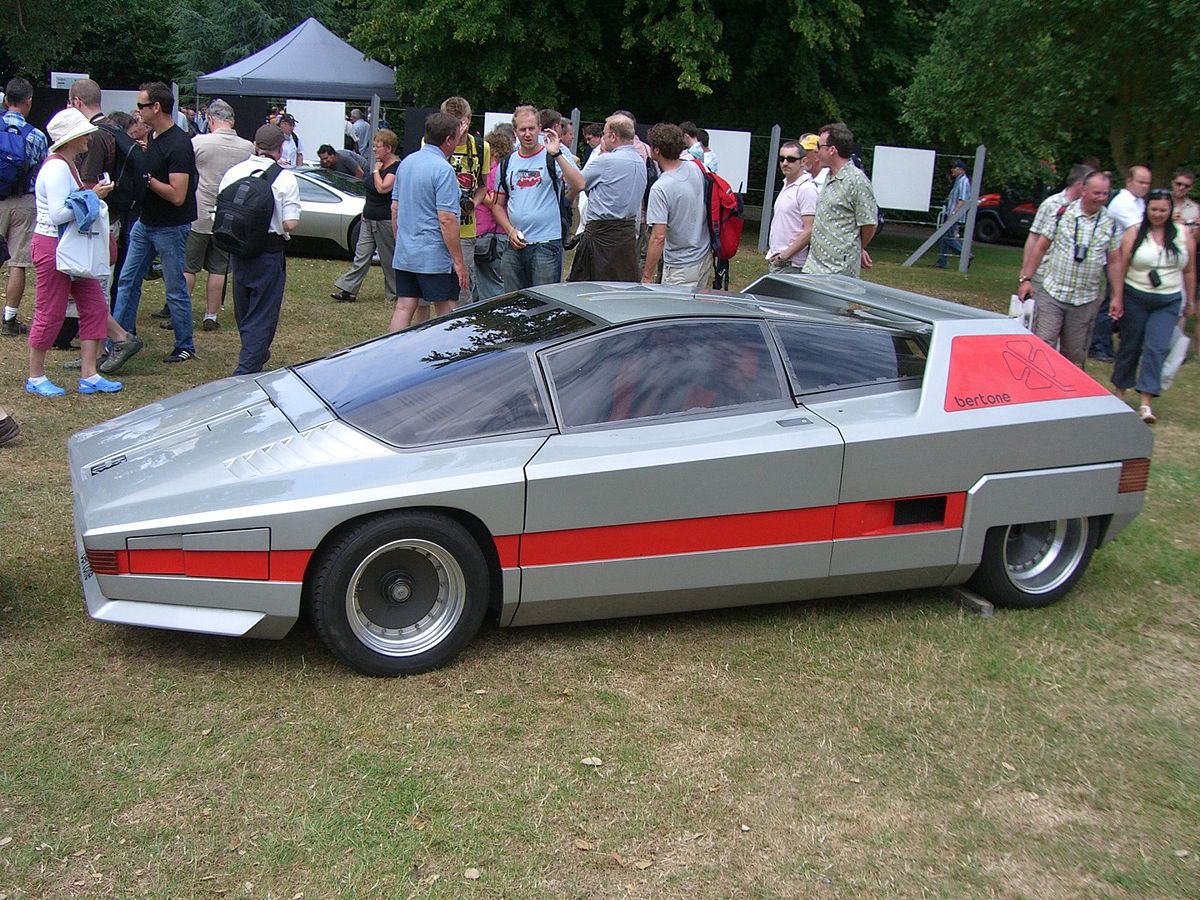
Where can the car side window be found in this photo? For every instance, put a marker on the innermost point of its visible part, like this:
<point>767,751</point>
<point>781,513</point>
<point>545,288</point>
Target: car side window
<point>664,369</point>
<point>827,357</point>
<point>314,193</point>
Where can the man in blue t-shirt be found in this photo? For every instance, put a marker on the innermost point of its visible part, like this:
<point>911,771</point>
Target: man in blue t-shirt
<point>428,260</point>
<point>526,203</point>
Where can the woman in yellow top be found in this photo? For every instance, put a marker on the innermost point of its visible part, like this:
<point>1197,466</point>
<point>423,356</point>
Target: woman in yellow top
<point>1160,271</point>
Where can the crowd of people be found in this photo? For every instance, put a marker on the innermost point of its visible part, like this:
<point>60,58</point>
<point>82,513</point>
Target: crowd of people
<point>1126,266</point>
<point>466,218</point>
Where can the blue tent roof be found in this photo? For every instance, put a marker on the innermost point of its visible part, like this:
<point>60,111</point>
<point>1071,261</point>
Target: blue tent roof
<point>310,62</point>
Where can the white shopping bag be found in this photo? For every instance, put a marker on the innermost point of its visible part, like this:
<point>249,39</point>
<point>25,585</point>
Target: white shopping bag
<point>1021,309</point>
<point>84,255</point>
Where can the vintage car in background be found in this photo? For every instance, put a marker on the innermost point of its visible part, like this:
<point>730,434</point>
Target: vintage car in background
<point>582,451</point>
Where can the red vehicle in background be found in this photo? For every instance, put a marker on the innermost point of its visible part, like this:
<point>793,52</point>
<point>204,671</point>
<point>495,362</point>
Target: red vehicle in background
<point>1004,214</point>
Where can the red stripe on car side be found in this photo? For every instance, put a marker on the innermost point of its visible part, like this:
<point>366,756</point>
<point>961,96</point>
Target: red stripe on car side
<point>508,549</point>
<point>249,565</point>
<point>699,535</point>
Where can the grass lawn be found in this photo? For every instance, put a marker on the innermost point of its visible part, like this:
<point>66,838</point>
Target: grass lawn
<point>878,746</point>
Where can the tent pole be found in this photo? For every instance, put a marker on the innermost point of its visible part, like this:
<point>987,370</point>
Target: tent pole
<point>374,123</point>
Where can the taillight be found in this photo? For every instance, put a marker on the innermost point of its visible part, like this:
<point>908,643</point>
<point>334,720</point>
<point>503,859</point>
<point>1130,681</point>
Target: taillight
<point>1135,475</point>
<point>103,562</point>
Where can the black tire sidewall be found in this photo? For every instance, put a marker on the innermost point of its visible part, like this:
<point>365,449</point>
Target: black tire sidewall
<point>992,581</point>
<point>332,577</point>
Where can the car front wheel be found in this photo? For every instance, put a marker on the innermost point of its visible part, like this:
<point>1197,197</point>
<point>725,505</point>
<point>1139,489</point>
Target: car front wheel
<point>1035,564</point>
<point>987,229</point>
<point>400,593</point>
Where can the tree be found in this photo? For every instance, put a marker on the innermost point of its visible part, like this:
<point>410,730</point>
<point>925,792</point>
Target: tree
<point>740,64</point>
<point>1058,80</point>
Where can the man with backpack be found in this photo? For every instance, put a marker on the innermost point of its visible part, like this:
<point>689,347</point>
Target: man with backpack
<point>22,150</point>
<point>257,260</point>
<point>529,184</point>
<point>676,213</point>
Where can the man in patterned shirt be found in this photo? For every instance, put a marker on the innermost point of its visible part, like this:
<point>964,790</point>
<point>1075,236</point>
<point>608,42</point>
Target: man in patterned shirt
<point>1076,246</point>
<point>847,215</point>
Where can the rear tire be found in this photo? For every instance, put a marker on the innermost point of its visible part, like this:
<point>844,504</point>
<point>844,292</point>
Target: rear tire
<point>400,593</point>
<point>987,230</point>
<point>1035,564</point>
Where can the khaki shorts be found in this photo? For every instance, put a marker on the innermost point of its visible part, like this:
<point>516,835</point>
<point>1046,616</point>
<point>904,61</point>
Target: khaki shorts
<point>202,253</point>
<point>697,276</point>
<point>17,218</point>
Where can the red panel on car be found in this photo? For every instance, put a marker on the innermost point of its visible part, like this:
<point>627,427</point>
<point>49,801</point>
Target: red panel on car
<point>156,562</point>
<point>250,564</point>
<point>989,370</point>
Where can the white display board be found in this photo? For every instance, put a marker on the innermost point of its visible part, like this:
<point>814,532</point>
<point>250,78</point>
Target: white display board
<point>733,156</point>
<point>118,101</point>
<point>492,119</point>
<point>903,177</point>
<point>318,122</point>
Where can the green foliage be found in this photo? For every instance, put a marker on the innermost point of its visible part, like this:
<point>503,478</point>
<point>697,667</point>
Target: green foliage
<point>1056,80</point>
<point>746,64</point>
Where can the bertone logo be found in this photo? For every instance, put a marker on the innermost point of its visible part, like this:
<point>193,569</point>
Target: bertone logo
<point>108,464</point>
<point>1029,363</point>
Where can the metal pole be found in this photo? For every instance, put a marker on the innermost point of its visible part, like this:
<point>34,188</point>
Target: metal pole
<point>964,259</point>
<point>574,131</point>
<point>373,121</point>
<point>764,227</point>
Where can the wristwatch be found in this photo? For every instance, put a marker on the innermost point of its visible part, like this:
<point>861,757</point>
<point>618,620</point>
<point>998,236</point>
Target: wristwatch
<point>554,155</point>
<point>1021,279</point>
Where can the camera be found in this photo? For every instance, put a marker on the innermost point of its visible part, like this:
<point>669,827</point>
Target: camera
<point>466,204</point>
<point>1155,278</point>
<point>1081,252</point>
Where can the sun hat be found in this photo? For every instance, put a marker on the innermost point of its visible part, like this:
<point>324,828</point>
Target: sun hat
<point>810,143</point>
<point>66,126</point>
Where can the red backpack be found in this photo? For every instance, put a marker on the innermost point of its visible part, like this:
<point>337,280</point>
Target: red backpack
<point>725,219</point>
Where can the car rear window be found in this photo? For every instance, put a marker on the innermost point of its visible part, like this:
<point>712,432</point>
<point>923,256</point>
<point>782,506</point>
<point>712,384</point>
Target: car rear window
<point>665,369</point>
<point>342,182</point>
<point>469,374</point>
<point>827,357</point>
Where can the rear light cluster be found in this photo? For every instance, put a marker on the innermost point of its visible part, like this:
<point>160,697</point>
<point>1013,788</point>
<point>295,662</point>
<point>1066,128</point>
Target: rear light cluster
<point>103,562</point>
<point>1135,475</point>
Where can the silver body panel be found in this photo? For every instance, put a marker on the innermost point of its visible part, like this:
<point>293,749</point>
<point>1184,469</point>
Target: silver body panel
<point>762,504</point>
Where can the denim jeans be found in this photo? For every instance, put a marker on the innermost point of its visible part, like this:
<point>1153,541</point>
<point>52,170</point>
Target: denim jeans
<point>1147,329</point>
<point>169,242</point>
<point>948,244</point>
<point>534,264</point>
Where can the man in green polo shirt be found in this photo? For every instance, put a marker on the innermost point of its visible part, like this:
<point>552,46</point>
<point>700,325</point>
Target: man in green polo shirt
<point>847,214</point>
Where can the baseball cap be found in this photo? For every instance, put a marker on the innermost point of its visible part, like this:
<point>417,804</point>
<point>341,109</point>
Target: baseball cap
<point>810,143</point>
<point>268,137</point>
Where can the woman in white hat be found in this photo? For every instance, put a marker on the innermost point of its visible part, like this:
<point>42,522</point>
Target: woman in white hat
<point>56,179</point>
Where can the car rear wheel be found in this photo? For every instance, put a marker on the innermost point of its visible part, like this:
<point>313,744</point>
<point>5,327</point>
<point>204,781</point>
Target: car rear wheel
<point>1035,564</point>
<point>400,593</point>
<point>987,230</point>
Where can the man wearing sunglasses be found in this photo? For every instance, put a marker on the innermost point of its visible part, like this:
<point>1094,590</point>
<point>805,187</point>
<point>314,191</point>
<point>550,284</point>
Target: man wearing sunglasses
<point>795,208</point>
<point>168,211</point>
<point>1186,210</point>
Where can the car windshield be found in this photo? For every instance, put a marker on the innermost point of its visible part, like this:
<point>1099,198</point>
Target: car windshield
<point>342,182</point>
<point>469,374</point>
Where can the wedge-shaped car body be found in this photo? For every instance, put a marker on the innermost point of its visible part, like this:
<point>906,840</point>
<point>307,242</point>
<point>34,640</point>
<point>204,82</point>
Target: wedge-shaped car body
<point>582,451</point>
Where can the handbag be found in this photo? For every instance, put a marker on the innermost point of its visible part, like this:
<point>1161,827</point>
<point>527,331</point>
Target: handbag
<point>489,251</point>
<point>84,254</point>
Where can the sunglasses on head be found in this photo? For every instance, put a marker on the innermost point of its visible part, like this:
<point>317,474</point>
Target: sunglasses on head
<point>784,159</point>
<point>1159,194</point>
<point>1183,184</point>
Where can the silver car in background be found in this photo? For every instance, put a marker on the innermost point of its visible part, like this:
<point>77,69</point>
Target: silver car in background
<point>331,207</point>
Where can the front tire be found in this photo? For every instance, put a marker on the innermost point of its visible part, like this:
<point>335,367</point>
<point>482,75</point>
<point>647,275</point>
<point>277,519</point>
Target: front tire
<point>1035,564</point>
<point>400,593</point>
<point>987,229</point>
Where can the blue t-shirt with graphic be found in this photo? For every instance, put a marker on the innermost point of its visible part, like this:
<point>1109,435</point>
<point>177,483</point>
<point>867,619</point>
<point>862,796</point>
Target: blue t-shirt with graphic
<point>532,202</point>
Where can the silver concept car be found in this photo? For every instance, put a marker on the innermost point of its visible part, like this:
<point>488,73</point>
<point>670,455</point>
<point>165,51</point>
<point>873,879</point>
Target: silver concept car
<point>581,451</point>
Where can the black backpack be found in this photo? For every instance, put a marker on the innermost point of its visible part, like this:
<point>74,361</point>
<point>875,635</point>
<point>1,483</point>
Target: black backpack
<point>130,177</point>
<point>565,214</point>
<point>242,221</point>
